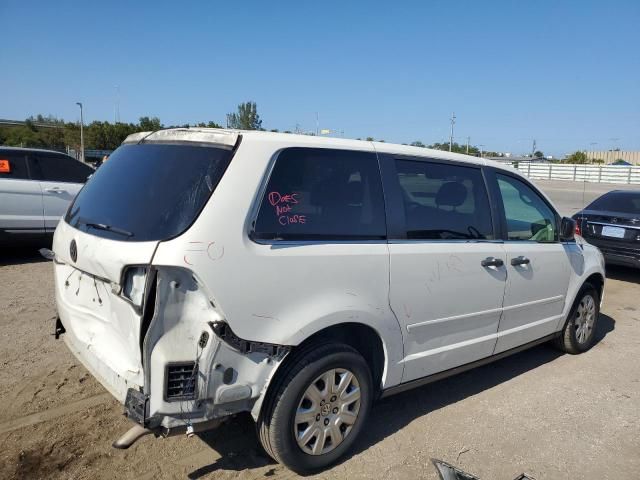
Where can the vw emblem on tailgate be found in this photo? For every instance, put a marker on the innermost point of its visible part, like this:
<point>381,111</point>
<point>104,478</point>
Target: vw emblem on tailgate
<point>73,250</point>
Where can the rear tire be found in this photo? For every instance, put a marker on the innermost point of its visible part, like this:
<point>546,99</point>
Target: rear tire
<point>578,333</point>
<point>317,408</point>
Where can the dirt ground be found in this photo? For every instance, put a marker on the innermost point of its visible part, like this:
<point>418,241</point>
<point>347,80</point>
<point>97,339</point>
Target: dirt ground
<point>552,416</point>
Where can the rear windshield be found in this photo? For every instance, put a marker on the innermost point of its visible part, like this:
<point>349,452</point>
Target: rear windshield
<point>622,202</point>
<point>148,192</point>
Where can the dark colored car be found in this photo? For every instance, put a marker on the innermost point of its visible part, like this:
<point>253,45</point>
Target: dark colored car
<point>612,223</point>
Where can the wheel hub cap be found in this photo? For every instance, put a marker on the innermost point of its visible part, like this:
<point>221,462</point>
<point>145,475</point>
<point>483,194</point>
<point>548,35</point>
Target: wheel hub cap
<point>585,318</point>
<point>327,411</point>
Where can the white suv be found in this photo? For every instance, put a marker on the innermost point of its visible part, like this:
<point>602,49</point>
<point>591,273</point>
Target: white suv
<point>202,273</point>
<point>36,188</point>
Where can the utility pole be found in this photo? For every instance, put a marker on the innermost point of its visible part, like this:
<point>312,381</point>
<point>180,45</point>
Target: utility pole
<point>453,121</point>
<point>317,124</point>
<point>481,145</point>
<point>533,148</point>
<point>468,140</point>
<point>81,133</point>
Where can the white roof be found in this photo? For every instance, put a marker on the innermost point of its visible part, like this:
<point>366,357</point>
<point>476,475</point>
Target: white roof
<point>230,136</point>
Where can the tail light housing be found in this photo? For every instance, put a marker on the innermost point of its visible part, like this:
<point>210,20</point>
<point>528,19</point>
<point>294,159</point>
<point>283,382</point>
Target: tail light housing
<point>133,284</point>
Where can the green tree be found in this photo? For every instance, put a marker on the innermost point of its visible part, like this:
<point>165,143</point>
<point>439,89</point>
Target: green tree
<point>538,154</point>
<point>246,118</point>
<point>455,147</point>
<point>417,143</point>
<point>147,124</point>
<point>577,157</point>
<point>209,124</point>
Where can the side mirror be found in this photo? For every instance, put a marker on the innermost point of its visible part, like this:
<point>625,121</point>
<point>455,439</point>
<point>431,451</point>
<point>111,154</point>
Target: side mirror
<point>567,229</point>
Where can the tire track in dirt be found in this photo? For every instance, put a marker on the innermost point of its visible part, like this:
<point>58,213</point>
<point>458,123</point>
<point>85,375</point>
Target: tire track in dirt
<point>54,413</point>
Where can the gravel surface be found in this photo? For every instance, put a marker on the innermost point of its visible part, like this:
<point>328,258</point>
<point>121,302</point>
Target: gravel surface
<point>550,415</point>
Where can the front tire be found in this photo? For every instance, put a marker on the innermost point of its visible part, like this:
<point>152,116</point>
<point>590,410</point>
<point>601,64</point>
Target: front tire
<point>578,334</point>
<point>316,410</point>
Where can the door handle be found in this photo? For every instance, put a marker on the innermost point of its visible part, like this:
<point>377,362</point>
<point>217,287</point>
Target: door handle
<point>521,260</point>
<point>54,190</point>
<point>492,262</point>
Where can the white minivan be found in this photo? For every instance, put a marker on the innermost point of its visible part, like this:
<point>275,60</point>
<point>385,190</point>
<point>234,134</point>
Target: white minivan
<point>203,273</point>
<point>36,188</point>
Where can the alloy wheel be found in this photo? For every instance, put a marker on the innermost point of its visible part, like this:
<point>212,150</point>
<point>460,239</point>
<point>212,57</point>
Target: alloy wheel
<point>585,318</point>
<point>327,411</point>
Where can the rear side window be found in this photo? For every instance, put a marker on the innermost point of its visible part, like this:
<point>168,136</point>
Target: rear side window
<point>14,166</point>
<point>148,192</point>
<point>316,194</point>
<point>60,169</point>
<point>444,201</point>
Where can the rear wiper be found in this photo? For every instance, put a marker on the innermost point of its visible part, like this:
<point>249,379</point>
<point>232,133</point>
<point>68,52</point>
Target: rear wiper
<point>109,228</point>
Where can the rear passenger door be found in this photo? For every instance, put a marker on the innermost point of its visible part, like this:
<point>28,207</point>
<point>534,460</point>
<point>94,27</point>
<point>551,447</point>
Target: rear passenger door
<point>20,197</point>
<point>446,267</point>
<point>61,178</point>
<point>538,264</point>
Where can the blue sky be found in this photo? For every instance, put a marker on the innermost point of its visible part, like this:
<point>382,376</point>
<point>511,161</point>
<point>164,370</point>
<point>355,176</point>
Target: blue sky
<point>566,73</point>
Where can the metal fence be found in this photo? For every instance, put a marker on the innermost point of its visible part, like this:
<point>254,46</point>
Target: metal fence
<point>580,173</point>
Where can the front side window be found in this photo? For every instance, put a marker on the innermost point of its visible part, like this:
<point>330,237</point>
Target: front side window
<point>60,169</point>
<point>528,215</point>
<point>444,201</point>
<point>322,194</point>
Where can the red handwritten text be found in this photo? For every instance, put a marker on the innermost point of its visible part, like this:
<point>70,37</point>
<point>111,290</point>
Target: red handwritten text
<point>289,219</point>
<point>283,205</point>
<point>275,198</point>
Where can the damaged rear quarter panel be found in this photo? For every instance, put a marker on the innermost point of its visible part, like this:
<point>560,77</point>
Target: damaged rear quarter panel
<point>228,381</point>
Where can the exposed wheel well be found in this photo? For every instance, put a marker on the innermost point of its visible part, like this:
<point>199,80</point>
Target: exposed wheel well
<point>597,281</point>
<point>358,336</point>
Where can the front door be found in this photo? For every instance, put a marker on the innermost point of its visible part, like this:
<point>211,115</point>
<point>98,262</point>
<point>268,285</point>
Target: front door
<point>537,265</point>
<point>447,275</point>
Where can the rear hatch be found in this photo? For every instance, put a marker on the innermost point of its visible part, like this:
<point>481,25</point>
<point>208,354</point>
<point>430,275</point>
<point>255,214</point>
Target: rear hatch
<point>151,189</point>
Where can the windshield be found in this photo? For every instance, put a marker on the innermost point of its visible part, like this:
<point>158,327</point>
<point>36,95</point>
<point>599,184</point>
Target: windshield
<point>148,192</point>
<point>622,202</point>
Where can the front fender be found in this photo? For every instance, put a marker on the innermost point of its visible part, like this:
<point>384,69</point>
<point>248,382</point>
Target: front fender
<point>585,260</point>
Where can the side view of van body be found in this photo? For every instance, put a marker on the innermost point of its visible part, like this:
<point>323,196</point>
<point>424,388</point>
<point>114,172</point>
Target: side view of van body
<point>202,273</point>
<point>36,188</point>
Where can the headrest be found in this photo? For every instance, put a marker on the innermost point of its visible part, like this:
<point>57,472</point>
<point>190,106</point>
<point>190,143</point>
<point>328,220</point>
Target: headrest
<point>451,194</point>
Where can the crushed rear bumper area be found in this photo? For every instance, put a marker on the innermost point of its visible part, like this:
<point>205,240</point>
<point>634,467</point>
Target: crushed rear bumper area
<point>108,378</point>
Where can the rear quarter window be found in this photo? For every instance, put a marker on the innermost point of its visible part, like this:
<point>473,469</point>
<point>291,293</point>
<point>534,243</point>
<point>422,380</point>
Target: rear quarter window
<point>13,166</point>
<point>316,194</point>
